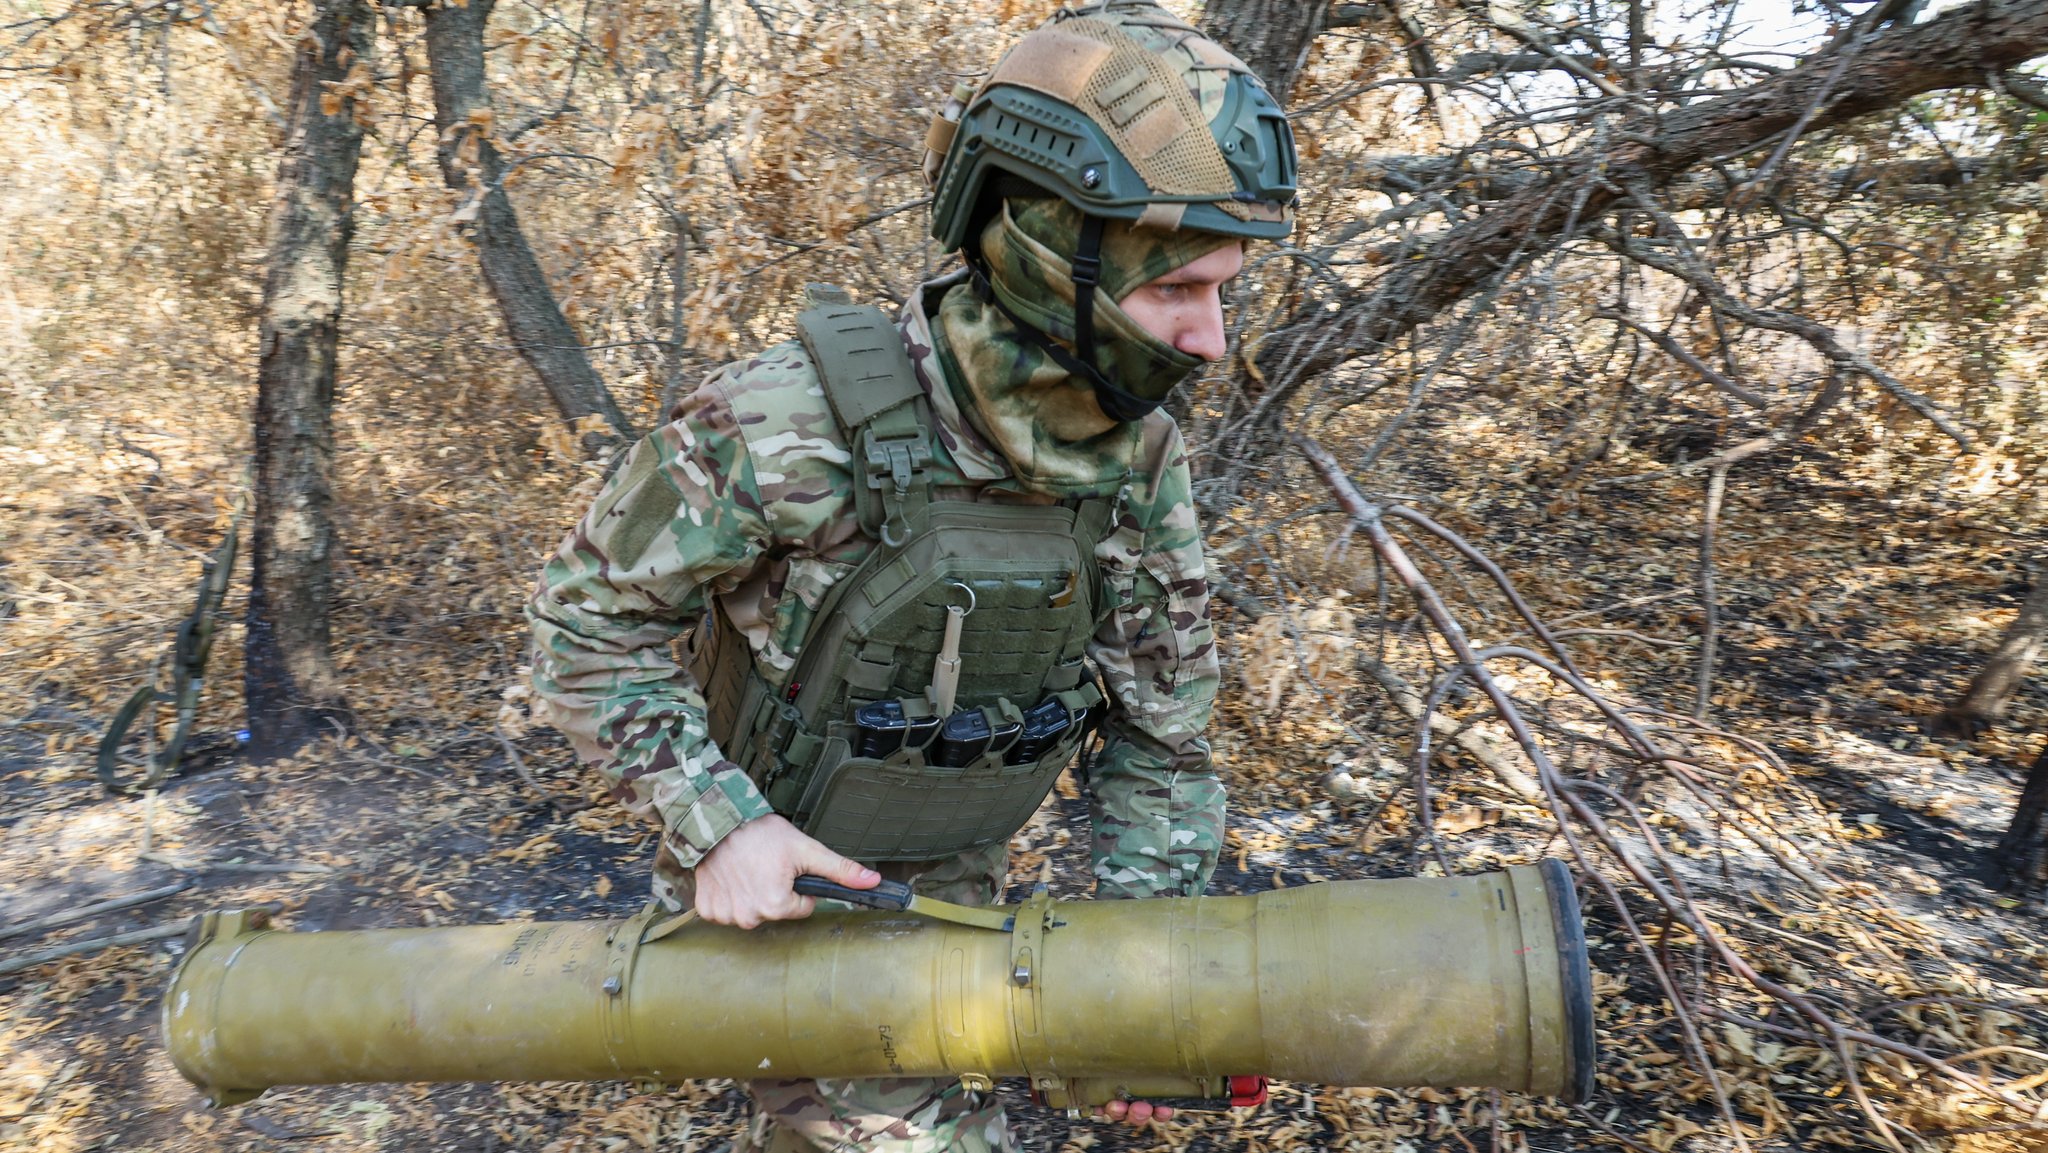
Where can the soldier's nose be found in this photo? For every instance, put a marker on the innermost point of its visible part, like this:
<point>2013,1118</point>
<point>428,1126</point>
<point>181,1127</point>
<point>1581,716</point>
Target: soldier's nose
<point>1201,331</point>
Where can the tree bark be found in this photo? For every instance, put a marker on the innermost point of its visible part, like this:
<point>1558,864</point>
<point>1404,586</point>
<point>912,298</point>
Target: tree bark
<point>1272,36</point>
<point>2021,858</point>
<point>289,680</point>
<point>1960,47</point>
<point>472,165</point>
<point>1983,704</point>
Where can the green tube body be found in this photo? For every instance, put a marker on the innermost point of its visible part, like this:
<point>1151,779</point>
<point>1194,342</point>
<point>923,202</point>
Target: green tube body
<point>1466,981</point>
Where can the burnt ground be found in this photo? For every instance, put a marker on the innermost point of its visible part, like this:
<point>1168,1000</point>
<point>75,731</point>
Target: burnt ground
<point>406,830</point>
<point>348,839</point>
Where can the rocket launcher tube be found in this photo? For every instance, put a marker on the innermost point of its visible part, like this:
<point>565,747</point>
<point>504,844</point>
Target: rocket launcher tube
<point>1457,981</point>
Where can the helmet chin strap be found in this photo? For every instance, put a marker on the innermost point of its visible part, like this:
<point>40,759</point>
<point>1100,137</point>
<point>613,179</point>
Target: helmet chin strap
<point>1087,275</point>
<point>1117,404</point>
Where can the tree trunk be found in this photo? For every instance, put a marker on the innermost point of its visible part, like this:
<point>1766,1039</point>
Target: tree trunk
<point>2022,854</point>
<point>1272,36</point>
<point>1983,705</point>
<point>472,165</point>
<point>289,678</point>
<point>1959,47</point>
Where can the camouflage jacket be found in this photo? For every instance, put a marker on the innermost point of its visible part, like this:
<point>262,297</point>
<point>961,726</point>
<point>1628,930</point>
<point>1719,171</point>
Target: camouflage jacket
<point>729,501</point>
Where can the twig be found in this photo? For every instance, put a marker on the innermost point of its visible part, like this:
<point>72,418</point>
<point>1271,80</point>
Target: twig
<point>204,867</point>
<point>1610,1130</point>
<point>1703,683</point>
<point>1471,740</point>
<point>1630,603</point>
<point>93,910</point>
<point>1623,634</point>
<point>1631,840</point>
<point>525,774</point>
<point>1910,1052</point>
<point>1447,626</point>
<point>1647,750</point>
<point>59,952</point>
<point>1684,356</point>
<point>1822,338</point>
<point>275,1131</point>
<point>1493,571</point>
<point>1247,605</point>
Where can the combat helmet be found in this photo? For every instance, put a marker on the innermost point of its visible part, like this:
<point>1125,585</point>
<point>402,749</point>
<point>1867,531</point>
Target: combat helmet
<point>1128,113</point>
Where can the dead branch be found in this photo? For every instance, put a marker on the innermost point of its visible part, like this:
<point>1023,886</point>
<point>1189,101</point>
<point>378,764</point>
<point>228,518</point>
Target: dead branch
<point>1639,853</point>
<point>517,764</point>
<point>1683,355</point>
<point>85,912</point>
<point>1686,266</point>
<point>202,868</point>
<point>1475,743</point>
<point>1955,49</point>
<point>1710,603</point>
<point>59,952</point>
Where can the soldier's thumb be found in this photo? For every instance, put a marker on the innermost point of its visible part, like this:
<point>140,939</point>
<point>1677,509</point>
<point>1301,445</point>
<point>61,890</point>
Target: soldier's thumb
<point>840,871</point>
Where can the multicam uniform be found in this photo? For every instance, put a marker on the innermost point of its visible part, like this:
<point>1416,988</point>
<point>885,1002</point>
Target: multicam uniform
<point>747,496</point>
<point>1118,143</point>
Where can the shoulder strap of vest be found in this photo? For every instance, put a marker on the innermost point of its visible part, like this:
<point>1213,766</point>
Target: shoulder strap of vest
<point>874,395</point>
<point>1092,516</point>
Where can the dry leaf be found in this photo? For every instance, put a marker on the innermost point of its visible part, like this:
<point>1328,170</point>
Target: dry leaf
<point>1466,818</point>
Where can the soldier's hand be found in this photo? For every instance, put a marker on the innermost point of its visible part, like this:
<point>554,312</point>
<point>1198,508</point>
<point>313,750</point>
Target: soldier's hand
<point>745,879</point>
<point>1134,1113</point>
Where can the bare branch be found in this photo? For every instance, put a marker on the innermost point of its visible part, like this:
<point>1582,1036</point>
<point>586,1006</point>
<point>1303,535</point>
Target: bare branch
<point>1955,49</point>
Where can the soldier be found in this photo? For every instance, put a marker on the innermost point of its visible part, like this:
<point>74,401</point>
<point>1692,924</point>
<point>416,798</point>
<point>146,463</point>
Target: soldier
<point>903,547</point>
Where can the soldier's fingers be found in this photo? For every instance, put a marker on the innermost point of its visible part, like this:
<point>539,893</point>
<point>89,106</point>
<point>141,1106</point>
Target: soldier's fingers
<point>744,917</point>
<point>705,901</point>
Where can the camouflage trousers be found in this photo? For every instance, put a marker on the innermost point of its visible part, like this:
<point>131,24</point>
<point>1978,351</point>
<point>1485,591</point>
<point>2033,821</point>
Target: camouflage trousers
<point>891,1114</point>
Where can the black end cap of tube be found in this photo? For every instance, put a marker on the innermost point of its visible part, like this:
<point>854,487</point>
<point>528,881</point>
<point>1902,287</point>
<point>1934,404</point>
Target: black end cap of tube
<point>1576,976</point>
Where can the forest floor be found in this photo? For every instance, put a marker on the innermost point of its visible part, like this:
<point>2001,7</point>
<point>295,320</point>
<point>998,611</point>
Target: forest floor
<point>421,828</point>
<point>1849,615</point>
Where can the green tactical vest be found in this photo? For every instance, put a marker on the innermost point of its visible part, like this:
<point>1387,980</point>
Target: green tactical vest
<point>1029,572</point>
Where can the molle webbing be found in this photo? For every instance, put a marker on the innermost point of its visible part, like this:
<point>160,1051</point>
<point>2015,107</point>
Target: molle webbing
<point>875,397</point>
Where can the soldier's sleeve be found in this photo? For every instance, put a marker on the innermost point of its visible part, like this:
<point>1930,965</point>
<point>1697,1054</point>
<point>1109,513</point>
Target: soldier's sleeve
<point>679,520</point>
<point>1157,804</point>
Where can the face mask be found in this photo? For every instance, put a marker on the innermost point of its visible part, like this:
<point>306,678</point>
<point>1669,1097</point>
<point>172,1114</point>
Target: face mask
<point>1067,428</point>
<point>1026,255</point>
<point>1037,414</point>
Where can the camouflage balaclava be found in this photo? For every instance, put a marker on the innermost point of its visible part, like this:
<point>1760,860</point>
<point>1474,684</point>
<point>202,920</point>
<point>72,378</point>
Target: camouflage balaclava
<point>1048,421</point>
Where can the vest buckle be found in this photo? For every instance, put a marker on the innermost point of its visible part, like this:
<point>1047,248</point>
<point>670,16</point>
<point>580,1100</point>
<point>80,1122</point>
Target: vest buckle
<point>898,458</point>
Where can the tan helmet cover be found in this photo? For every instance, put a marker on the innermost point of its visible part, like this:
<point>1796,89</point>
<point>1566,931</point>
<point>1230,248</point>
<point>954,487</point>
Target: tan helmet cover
<point>1127,111</point>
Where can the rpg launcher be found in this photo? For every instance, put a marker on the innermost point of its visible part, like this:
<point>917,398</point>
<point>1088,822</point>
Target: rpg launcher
<point>1452,981</point>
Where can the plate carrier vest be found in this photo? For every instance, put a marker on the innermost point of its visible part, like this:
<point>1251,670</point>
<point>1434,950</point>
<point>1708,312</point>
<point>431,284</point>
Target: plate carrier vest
<point>1036,598</point>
